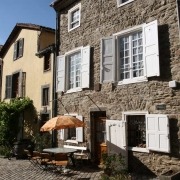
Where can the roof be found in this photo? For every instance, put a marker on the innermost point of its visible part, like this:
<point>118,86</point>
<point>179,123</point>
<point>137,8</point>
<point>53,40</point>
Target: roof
<point>61,4</point>
<point>18,27</point>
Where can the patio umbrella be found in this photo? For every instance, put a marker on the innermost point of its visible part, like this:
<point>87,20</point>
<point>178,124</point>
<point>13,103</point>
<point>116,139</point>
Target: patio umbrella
<point>62,122</point>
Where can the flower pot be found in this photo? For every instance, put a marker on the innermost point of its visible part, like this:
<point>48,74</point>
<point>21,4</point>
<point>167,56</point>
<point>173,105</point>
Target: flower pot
<point>170,175</point>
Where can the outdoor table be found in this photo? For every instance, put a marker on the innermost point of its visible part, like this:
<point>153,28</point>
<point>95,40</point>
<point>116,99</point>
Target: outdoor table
<point>63,150</point>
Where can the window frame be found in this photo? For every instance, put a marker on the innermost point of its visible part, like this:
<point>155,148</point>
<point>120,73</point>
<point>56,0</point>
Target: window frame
<point>109,72</point>
<point>18,49</point>
<point>62,70</point>
<point>70,12</point>
<point>135,113</point>
<point>120,3</point>
<point>47,61</point>
<point>42,95</point>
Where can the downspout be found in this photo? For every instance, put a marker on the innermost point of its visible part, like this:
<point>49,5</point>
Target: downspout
<point>54,94</point>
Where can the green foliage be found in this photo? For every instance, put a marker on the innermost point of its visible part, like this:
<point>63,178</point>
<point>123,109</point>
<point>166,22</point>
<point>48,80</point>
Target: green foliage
<point>9,118</point>
<point>42,141</point>
<point>114,167</point>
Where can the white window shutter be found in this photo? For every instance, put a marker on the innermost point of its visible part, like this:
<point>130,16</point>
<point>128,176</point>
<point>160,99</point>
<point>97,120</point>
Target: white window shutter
<point>79,131</point>
<point>63,133</point>
<point>116,137</point>
<point>85,67</point>
<point>157,132</point>
<point>151,49</point>
<point>107,66</point>
<point>60,80</point>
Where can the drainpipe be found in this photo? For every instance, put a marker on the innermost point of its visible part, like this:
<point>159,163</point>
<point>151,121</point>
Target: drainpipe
<point>54,94</point>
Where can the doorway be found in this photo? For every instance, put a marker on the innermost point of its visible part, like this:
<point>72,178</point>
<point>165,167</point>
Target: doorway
<point>98,135</point>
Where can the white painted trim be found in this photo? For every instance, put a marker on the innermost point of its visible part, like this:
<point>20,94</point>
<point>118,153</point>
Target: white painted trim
<point>125,113</point>
<point>74,51</point>
<point>73,90</point>
<point>133,80</point>
<point>119,4</point>
<point>127,31</point>
<point>137,149</point>
<point>78,6</point>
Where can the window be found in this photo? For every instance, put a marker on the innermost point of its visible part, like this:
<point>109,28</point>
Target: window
<point>123,2</point>
<point>136,131</point>
<point>73,70</point>
<point>45,95</point>
<point>18,49</point>
<point>72,133</point>
<point>74,17</point>
<point>47,61</point>
<point>130,56</point>
<point>15,85</point>
<point>140,132</point>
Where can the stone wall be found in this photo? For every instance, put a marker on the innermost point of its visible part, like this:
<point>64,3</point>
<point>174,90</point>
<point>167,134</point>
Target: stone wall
<point>102,18</point>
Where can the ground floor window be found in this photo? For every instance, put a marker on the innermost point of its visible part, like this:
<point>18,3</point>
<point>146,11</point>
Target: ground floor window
<point>136,131</point>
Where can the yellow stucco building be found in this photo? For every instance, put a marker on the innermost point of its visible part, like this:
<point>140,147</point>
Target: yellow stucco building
<point>28,56</point>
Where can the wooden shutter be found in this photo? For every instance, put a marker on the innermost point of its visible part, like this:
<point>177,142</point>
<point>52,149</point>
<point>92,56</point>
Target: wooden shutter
<point>21,47</point>
<point>85,67</point>
<point>107,66</point>
<point>79,131</point>
<point>20,84</point>
<point>116,137</point>
<point>23,90</point>
<point>60,81</point>
<point>151,49</point>
<point>8,86</point>
<point>15,50</point>
<point>157,132</point>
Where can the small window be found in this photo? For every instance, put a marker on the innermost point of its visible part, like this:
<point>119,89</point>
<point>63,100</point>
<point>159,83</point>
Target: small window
<point>136,131</point>
<point>47,61</point>
<point>45,96</point>
<point>74,17</point>
<point>18,49</point>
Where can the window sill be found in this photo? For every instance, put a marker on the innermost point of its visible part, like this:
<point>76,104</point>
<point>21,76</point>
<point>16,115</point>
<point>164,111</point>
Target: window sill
<point>137,149</point>
<point>73,28</point>
<point>135,80</point>
<point>122,4</point>
<point>73,90</point>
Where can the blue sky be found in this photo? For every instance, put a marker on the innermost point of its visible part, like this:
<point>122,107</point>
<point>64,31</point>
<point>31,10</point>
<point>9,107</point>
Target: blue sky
<point>25,11</point>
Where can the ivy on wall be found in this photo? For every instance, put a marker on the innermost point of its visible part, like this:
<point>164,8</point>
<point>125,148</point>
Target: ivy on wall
<point>9,118</point>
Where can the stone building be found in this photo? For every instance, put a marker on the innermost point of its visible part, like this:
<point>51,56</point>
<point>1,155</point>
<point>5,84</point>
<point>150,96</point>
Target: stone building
<point>118,69</point>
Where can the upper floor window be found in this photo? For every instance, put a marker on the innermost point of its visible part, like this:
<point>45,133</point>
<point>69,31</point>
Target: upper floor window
<point>45,95</point>
<point>47,61</point>
<point>74,17</point>
<point>123,2</point>
<point>18,49</point>
<point>130,56</point>
<point>73,70</point>
<point>15,85</point>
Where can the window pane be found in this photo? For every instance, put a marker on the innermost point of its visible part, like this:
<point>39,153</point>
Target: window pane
<point>74,70</point>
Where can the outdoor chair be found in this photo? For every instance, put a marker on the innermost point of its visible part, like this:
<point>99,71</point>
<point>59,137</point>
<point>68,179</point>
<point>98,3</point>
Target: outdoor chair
<point>46,161</point>
<point>81,156</point>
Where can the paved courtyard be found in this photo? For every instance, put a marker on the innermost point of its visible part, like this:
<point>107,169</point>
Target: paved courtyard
<point>23,170</point>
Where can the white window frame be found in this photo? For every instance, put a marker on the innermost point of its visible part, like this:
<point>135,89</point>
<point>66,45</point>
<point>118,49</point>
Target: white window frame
<point>150,55</point>
<point>124,117</point>
<point>63,70</point>
<point>63,132</point>
<point>121,34</point>
<point>77,7</point>
<point>120,3</point>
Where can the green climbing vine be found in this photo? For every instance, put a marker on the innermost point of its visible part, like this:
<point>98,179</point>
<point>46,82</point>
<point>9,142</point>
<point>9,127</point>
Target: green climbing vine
<point>9,118</point>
